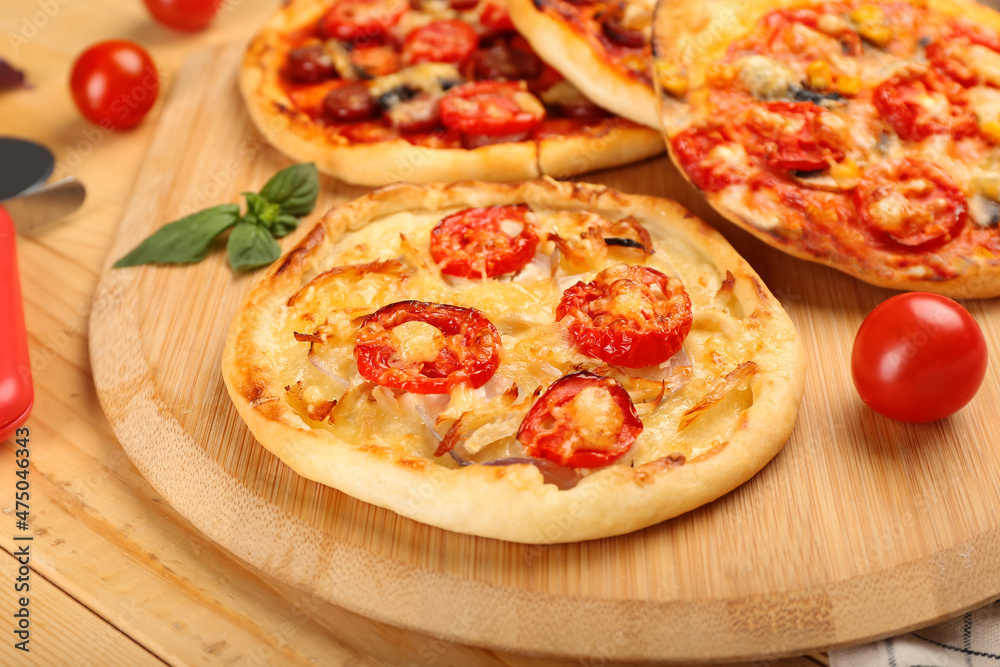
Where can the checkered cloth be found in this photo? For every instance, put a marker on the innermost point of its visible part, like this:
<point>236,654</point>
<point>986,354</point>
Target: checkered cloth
<point>972,640</point>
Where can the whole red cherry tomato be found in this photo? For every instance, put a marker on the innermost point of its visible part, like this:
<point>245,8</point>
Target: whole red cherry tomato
<point>184,14</point>
<point>114,84</point>
<point>631,316</point>
<point>450,346</point>
<point>472,242</point>
<point>583,421</point>
<point>918,357</point>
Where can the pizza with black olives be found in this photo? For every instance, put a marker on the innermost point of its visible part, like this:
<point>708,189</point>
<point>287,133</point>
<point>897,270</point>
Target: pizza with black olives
<point>380,91</point>
<point>864,135</point>
<point>538,362</point>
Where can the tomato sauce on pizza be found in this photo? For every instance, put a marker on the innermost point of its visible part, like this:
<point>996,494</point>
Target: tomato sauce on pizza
<point>603,47</point>
<point>619,31</point>
<point>860,134</point>
<point>434,73</point>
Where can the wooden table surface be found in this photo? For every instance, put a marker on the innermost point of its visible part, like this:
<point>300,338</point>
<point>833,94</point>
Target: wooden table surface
<point>118,577</point>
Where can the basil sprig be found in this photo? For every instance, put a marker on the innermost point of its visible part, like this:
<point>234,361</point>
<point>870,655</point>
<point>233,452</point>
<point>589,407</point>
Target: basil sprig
<point>271,213</point>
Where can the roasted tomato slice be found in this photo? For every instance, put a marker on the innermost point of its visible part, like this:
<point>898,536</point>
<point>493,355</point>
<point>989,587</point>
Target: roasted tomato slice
<point>693,147</point>
<point>484,241</point>
<point>358,20</point>
<point>955,55</point>
<point>495,18</point>
<point>919,103</point>
<point>782,37</point>
<point>631,316</point>
<point>427,348</point>
<point>447,41</point>
<point>792,137</point>
<point>582,421</point>
<point>910,203</point>
<point>491,108</point>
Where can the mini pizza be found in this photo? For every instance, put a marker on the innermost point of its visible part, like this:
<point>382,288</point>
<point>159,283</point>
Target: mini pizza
<point>861,135</point>
<point>538,362</point>
<point>603,47</point>
<point>381,91</point>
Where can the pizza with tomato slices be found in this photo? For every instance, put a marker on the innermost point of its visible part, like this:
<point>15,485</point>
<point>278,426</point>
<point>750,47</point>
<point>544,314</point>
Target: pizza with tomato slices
<point>603,47</point>
<point>864,135</point>
<point>380,91</point>
<point>538,362</point>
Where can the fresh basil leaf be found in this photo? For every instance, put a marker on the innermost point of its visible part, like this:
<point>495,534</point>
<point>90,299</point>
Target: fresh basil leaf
<point>285,224</point>
<point>183,241</point>
<point>251,246</point>
<point>261,210</point>
<point>294,188</point>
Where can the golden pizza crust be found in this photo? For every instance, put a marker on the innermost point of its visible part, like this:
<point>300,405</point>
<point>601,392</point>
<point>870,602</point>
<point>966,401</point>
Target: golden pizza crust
<point>512,502</point>
<point>298,136</point>
<point>688,37</point>
<point>562,48</point>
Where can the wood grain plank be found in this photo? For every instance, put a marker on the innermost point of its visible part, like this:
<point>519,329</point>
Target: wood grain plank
<point>62,631</point>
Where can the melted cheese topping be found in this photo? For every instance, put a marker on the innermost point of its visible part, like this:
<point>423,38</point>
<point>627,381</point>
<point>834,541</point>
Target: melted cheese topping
<point>597,417</point>
<point>638,15</point>
<point>892,211</point>
<point>985,62</point>
<point>985,102</point>
<point>389,261</point>
<point>416,342</point>
<point>837,65</point>
<point>764,78</point>
<point>427,77</point>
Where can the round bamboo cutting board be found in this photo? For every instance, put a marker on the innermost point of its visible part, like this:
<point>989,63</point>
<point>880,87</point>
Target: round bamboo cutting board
<point>861,527</point>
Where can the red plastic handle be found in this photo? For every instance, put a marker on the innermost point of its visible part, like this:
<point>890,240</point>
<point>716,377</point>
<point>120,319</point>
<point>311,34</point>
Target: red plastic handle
<point>17,393</point>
